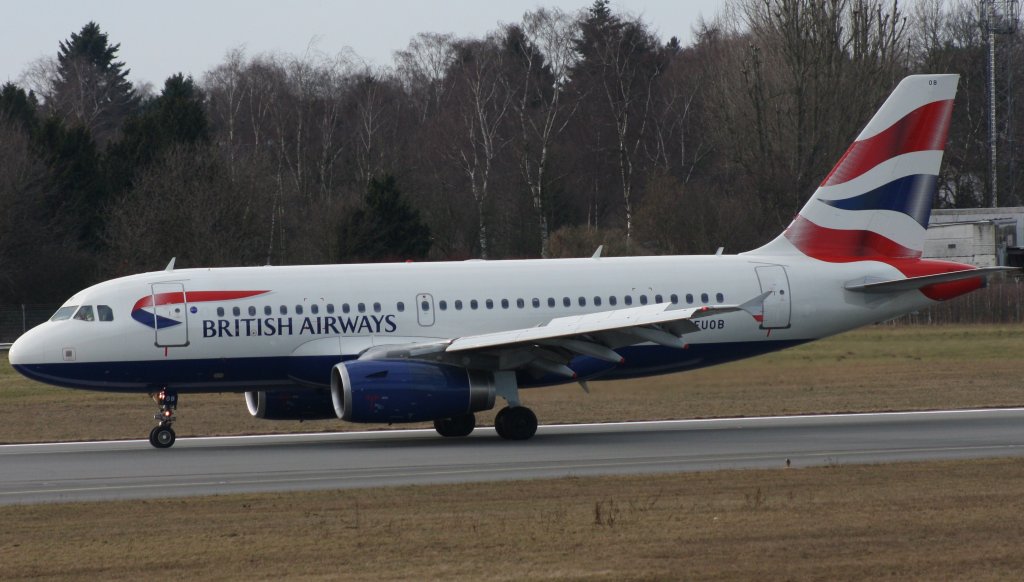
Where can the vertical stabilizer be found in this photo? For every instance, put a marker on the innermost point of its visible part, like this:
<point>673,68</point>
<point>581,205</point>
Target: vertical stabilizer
<point>875,203</point>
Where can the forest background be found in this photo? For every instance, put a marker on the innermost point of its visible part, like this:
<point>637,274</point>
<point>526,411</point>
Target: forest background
<point>544,138</point>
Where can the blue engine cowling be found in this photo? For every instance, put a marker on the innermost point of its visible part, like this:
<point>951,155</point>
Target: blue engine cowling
<point>407,391</point>
<point>290,404</point>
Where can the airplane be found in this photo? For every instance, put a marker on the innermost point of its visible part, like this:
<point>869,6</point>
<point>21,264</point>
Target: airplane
<point>440,341</point>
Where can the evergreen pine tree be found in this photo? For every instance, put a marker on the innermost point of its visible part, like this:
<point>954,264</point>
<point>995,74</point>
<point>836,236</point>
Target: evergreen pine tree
<point>385,228</point>
<point>175,117</point>
<point>92,88</point>
<point>19,107</point>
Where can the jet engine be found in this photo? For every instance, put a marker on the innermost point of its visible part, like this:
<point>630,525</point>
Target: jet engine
<point>407,391</point>
<point>290,404</point>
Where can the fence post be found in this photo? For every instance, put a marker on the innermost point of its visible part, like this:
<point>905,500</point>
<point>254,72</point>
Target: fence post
<point>24,324</point>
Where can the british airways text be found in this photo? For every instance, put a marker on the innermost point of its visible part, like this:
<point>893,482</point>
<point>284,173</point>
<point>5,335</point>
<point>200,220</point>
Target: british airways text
<point>287,326</point>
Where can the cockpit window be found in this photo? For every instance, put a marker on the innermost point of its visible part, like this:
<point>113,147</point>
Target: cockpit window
<point>105,312</point>
<point>64,313</point>
<point>85,313</point>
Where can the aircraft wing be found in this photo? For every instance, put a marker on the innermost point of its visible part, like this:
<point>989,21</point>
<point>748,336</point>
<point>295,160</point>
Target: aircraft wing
<point>548,348</point>
<point>911,283</point>
<point>649,317</point>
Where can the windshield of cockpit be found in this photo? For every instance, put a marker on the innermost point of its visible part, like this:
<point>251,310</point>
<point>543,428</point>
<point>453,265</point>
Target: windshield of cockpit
<point>84,313</point>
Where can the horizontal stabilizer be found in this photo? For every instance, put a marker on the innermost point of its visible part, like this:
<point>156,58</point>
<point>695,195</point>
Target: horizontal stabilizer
<point>912,283</point>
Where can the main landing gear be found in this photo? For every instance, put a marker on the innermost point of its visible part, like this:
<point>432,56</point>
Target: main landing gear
<point>162,436</point>
<point>514,423</point>
<point>456,426</point>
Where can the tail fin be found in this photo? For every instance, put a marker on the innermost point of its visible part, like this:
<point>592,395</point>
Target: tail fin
<point>875,203</point>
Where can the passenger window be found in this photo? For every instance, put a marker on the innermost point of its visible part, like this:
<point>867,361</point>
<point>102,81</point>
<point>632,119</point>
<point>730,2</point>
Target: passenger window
<point>298,310</point>
<point>237,311</point>
<point>361,307</point>
<point>267,310</point>
<point>628,299</point>
<point>612,300</point>
<point>105,313</point>
<point>220,312</point>
<point>504,303</point>
<point>720,298</point>
<point>345,308</point>
<point>490,304</point>
<point>424,305</point>
<point>330,308</point>
<point>536,303</point>
<point>643,300</point>
<point>520,303</point>
<point>551,301</point>
<point>583,301</point>
<point>401,307</point>
<point>284,310</point>
<point>252,310</point>
<point>597,300</point>
<point>704,297</point>
<point>674,298</point>
<point>458,304</point>
<point>566,301</point>
<point>376,307</point>
<point>657,299</point>
<point>473,304</point>
<point>443,305</point>
<point>689,298</point>
<point>314,309</point>
<point>85,313</point>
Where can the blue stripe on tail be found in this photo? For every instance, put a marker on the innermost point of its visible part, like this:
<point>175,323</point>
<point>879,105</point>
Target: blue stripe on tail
<point>911,195</point>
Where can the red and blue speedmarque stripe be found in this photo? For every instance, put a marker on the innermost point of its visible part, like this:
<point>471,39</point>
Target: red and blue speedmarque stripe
<point>150,319</point>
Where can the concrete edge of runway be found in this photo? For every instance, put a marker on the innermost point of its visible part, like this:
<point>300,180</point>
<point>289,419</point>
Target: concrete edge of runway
<point>544,429</point>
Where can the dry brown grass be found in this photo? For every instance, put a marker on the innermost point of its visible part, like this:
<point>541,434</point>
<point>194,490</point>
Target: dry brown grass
<point>876,368</point>
<point>927,521</point>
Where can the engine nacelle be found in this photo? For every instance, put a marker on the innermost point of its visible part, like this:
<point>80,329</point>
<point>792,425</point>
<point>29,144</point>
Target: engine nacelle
<point>290,404</point>
<point>407,391</point>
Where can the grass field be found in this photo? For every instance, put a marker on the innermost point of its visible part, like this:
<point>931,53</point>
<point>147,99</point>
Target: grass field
<point>927,521</point>
<point>876,368</point>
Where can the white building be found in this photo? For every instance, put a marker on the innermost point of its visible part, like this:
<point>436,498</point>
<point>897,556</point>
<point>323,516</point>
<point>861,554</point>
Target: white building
<point>984,237</point>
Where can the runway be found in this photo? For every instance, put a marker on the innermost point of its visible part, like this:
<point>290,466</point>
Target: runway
<point>108,470</point>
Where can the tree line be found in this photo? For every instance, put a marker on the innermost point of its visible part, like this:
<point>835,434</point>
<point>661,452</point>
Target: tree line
<point>544,138</point>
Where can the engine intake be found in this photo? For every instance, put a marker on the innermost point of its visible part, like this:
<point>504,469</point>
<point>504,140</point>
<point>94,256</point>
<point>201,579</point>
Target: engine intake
<point>407,391</point>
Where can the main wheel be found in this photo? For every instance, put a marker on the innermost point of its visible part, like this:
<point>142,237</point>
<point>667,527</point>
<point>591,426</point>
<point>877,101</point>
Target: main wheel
<point>456,426</point>
<point>162,437</point>
<point>515,423</point>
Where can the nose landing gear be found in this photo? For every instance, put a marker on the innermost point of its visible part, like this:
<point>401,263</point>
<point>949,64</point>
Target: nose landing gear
<point>162,436</point>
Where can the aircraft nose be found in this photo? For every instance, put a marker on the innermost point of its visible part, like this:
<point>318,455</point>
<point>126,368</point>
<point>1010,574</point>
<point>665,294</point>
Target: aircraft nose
<point>16,353</point>
<point>22,351</point>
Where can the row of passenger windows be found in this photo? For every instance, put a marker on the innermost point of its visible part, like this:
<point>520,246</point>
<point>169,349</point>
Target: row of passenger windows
<point>596,301</point>
<point>473,304</point>
<point>314,309</point>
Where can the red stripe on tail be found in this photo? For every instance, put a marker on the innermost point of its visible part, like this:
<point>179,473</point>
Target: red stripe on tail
<point>923,129</point>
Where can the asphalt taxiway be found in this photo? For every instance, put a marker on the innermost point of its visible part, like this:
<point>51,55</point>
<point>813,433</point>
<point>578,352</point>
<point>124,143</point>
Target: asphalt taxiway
<point>54,472</point>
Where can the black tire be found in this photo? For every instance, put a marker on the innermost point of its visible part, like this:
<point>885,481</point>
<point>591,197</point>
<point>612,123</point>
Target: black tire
<point>456,426</point>
<point>515,423</point>
<point>162,437</point>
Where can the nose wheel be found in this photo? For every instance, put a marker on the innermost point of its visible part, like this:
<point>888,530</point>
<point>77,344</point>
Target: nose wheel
<point>162,436</point>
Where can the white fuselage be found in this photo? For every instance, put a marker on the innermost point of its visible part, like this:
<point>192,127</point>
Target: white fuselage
<point>297,322</point>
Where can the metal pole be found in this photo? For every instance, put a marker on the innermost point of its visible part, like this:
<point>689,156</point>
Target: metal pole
<point>992,99</point>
